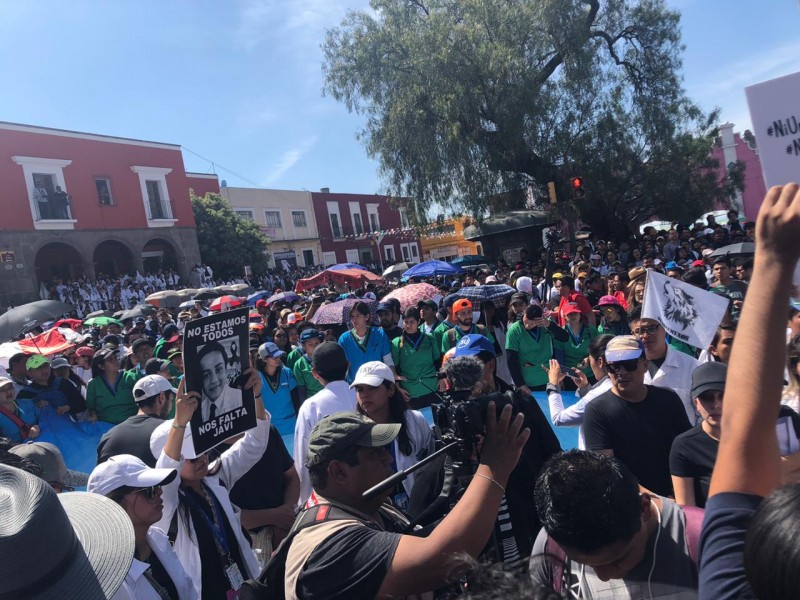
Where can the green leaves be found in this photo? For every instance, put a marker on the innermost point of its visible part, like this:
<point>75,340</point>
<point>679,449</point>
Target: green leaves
<point>466,99</point>
<point>227,241</point>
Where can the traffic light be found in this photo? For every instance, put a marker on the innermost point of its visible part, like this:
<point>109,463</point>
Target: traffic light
<point>578,193</point>
<point>551,191</point>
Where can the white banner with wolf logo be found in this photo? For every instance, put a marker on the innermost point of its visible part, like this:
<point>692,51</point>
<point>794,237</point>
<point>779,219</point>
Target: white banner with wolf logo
<point>688,313</point>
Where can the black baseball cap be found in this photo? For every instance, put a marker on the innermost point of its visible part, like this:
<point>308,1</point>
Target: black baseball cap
<point>335,433</point>
<point>709,376</point>
<point>154,366</point>
<point>428,303</point>
<point>142,342</point>
<point>329,356</point>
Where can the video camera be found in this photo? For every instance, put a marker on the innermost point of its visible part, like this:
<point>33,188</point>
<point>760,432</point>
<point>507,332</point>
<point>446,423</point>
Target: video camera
<point>461,419</point>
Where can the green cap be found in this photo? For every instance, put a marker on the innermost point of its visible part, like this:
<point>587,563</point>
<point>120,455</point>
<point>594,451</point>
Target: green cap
<point>337,432</point>
<point>36,361</point>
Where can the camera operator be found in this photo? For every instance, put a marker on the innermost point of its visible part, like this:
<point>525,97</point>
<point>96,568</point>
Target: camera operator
<point>356,556</point>
<point>465,374</point>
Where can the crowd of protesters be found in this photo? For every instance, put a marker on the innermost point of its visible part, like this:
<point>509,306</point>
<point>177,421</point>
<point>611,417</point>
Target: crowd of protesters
<point>654,502</point>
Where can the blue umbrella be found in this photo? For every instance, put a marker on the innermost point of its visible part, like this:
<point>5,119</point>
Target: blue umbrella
<point>432,268</point>
<point>342,266</point>
<point>253,298</point>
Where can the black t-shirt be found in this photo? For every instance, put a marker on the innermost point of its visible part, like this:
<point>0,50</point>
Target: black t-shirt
<point>352,563</point>
<point>393,332</point>
<point>639,433</point>
<point>693,454</point>
<point>263,485</point>
<point>132,436</point>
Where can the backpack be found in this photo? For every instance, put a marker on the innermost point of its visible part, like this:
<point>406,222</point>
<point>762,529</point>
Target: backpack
<point>269,585</point>
<point>693,517</point>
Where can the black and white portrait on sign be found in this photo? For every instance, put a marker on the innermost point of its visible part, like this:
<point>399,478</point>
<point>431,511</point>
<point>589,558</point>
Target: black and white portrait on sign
<point>214,367</point>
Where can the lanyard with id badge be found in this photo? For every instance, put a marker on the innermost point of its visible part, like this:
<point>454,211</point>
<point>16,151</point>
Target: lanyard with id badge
<point>217,527</point>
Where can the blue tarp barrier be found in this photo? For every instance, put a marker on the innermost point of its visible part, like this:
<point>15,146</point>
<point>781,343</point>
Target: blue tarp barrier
<point>77,441</point>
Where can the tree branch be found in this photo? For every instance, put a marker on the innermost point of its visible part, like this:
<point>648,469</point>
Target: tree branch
<point>633,71</point>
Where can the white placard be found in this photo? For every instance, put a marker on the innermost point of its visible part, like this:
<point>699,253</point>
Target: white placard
<point>775,112</point>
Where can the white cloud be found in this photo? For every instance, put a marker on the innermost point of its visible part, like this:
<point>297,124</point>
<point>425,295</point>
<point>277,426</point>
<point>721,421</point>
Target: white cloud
<point>288,160</point>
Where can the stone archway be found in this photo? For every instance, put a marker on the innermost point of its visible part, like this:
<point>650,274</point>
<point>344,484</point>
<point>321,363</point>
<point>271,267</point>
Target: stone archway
<point>112,258</point>
<point>57,260</point>
<point>159,254</point>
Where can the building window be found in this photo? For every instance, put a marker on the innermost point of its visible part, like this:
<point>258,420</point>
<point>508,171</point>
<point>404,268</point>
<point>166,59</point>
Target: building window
<point>245,213</point>
<point>359,229</point>
<point>389,251</point>
<point>403,218</point>
<point>414,252</point>
<point>308,258</point>
<point>404,250</point>
<point>299,218</point>
<point>335,219</point>
<point>50,203</point>
<point>103,187</point>
<point>157,206</point>
<point>272,218</point>
<point>373,222</point>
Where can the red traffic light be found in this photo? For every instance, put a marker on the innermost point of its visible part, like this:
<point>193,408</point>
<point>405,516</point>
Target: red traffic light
<point>577,182</point>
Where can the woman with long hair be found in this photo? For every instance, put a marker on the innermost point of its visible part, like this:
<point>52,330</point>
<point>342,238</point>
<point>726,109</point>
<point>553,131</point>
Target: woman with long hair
<point>281,339</point>
<point>109,395</point>
<point>364,342</point>
<point>209,541</point>
<point>576,346</point>
<point>379,399</point>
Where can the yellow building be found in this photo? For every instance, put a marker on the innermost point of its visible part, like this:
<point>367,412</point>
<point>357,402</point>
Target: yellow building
<point>444,240</point>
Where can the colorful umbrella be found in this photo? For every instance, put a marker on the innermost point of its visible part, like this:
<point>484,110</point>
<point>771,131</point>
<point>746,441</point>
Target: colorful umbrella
<point>226,302</point>
<point>495,293</point>
<point>338,313</point>
<point>432,268</point>
<point>288,297</point>
<point>342,266</point>
<point>352,277</point>
<point>24,318</point>
<point>409,295</point>
<point>102,322</point>
<point>260,295</point>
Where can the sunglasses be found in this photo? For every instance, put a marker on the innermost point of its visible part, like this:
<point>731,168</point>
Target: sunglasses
<point>149,492</point>
<point>629,365</point>
<point>649,330</point>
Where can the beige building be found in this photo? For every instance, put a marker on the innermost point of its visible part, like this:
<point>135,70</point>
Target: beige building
<point>286,217</point>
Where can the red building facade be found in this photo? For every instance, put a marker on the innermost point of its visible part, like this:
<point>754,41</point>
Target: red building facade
<point>364,229</point>
<point>81,204</point>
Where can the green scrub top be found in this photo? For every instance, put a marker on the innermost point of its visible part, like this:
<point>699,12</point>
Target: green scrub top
<point>416,364</point>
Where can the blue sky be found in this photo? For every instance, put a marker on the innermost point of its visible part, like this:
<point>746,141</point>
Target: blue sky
<point>239,81</point>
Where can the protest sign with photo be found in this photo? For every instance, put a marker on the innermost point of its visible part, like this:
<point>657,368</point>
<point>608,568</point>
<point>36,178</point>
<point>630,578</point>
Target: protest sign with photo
<point>215,358</point>
<point>686,312</point>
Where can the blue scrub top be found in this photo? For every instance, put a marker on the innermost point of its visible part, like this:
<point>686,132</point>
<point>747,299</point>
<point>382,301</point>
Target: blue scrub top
<point>377,347</point>
<point>279,403</point>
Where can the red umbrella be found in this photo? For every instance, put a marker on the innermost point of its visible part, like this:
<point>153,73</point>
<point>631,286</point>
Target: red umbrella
<point>355,278</point>
<point>226,302</point>
<point>409,295</point>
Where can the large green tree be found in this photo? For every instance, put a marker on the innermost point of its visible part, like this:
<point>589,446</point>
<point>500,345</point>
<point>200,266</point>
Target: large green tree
<point>227,241</point>
<point>467,99</point>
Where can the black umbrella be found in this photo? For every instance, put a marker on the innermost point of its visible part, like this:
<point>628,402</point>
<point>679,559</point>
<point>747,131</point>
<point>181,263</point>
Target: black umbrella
<point>140,310</point>
<point>733,249</point>
<point>26,317</point>
<point>99,313</point>
<point>206,294</point>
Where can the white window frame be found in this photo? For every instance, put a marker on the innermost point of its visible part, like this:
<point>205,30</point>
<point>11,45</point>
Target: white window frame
<point>299,211</point>
<point>108,185</point>
<point>388,252</point>
<point>352,256</point>
<point>251,212</point>
<point>405,252</point>
<point>46,166</point>
<point>414,251</point>
<point>372,210</point>
<point>329,258</point>
<point>355,209</point>
<point>404,223</point>
<point>158,174</point>
<point>333,209</point>
<point>276,211</point>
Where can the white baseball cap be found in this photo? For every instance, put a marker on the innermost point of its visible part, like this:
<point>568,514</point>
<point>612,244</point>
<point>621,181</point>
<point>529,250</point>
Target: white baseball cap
<point>373,373</point>
<point>158,440</point>
<point>126,470</point>
<point>151,385</point>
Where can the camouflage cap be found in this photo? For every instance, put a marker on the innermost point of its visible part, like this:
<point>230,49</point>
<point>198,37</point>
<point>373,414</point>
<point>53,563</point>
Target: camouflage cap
<point>337,432</point>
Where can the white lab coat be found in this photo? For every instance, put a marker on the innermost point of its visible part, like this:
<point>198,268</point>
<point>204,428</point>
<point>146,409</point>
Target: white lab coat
<point>422,441</point>
<point>676,374</point>
<point>236,461</point>
<point>137,587</point>
<point>334,397</point>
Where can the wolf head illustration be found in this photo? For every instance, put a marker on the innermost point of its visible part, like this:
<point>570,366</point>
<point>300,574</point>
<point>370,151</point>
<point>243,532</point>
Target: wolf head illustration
<point>679,307</point>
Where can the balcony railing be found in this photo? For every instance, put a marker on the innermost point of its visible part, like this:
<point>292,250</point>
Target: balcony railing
<point>55,208</point>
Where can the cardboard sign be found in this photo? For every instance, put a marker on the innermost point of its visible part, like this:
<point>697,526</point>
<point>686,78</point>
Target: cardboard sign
<point>775,112</point>
<point>215,357</point>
